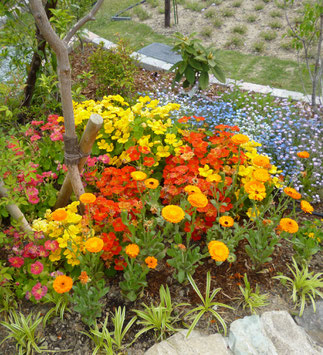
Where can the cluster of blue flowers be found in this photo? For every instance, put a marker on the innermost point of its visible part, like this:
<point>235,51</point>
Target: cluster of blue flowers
<point>282,127</point>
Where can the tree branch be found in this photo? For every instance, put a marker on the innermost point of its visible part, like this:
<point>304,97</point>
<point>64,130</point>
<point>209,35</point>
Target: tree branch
<point>82,21</point>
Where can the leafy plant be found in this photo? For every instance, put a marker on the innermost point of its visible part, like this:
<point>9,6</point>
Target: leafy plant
<point>208,305</point>
<point>250,299</point>
<point>61,302</point>
<point>25,332</point>
<point>197,62</point>
<point>159,318</point>
<point>110,341</point>
<point>304,285</point>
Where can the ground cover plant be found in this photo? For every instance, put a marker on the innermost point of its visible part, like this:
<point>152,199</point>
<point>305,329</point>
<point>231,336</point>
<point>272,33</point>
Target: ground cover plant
<point>179,192</point>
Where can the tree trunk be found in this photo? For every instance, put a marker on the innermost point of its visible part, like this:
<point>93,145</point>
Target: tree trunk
<point>167,13</point>
<point>318,66</point>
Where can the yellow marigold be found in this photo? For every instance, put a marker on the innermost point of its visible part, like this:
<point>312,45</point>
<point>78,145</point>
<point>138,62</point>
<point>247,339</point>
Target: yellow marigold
<point>151,262</point>
<point>306,207</point>
<point>62,284</point>
<point>239,139</point>
<point>138,175</point>
<point>214,178</point>
<point>218,250</point>
<point>288,225</point>
<point>226,221</point>
<point>190,189</point>
<point>253,213</point>
<point>261,160</point>
<point>173,213</point>
<point>84,277</point>
<point>59,215</point>
<point>303,154</point>
<point>151,183</point>
<point>256,190</point>
<point>94,245</point>
<point>132,250</point>
<point>292,193</point>
<point>87,198</point>
<point>198,200</point>
<point>261,174</point>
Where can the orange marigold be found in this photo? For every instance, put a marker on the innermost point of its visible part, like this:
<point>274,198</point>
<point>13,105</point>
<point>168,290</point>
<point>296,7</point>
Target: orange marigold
<point>198,200</point>
<point>306,207</point>
<point>214,178</point>
<point>62,284</point>
<point>218,250</point>
<point>239,139</point>
<point>132,250</point>
<point>288,225</point>
<point>261,160</point>
<point>138,175</point>
<point>261,174</point>
<point>292,193</point>
<point>226,221</point>
<point>151,262</point>
<point>59,215</point>
<point>303,154</point>
<point>190,189</point>
<point>256,190</point>
<point>94,244</point>
<point>87,198</point>
<point>173,213</point>
<point>84,277</point>
<point>151,183</point>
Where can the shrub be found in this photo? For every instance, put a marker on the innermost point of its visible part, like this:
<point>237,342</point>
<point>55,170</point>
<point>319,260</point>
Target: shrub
<point>114,70</point>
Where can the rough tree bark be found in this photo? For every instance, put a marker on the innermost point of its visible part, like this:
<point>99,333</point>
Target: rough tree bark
<point>60,47</point>
<point>167,13</point>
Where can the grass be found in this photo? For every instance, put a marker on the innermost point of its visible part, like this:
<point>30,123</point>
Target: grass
<point>194,6</point>
<point>206,31</point>
<point>141,13</point>
<point>153,3</point>
<point>227,13</point>
<point>240,29</point>
<point>259,46</point>
<point>251,18</point>
<point>275,13</point>
<point>210,13</point>
<point>237,3</point>
<point>235,41</point>
<point>247,67</point>
<point>268,35</point>
<point>287,46</point>
<point>259,6</point>
<point>275,25</point>
<point>217,22</point>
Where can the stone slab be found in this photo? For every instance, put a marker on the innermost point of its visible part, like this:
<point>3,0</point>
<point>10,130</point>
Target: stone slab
<point>161,52</point>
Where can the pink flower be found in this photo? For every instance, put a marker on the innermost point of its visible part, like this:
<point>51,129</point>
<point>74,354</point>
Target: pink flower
<point>37,123</point>
<point>36,268</point>
<point>39,291</point>
<point>56,273</point>
<point>33,199</point>
<point>56,136</point>
<point>35,137</point>
<point>30,251</point>
<point>104,158</point>
<point>91,161</point>
<point>16,261</point>
<point>43,253</point>
<point>28,295</point>
<point>51,245</point>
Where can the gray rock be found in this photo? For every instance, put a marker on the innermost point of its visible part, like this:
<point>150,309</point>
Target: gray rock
<point>195,344</point>
<point>247,337</point>
<point>313,322</point>
<point>287,337</point>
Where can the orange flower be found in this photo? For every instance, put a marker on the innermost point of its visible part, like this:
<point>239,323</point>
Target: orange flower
<point>173,213</point>
<point>132,250</point>
<point>261,175</point>
<point>138,175</point>
<point>239,139</point>
<point>151,183</point>
<point>226,221</point>
<point>94,244</point>
<point>87,198</point>
<point>303,154</point>
<point>214,178</point>
<point>59,215</point>
<point>261,161</point>
<point>292,193</point>
<point>288,225</point>
<point>218,250</point>
<point>306,207</point>
<point>62,284</point>
<point>190,189</point>
<point>256,190</point>
<point>151,262</point>
<point>198,200</point>
<point>84,278</point>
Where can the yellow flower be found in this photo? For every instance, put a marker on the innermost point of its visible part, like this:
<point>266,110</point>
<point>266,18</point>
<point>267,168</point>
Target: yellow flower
<point>288,225</point>
<point>151,183</point>
<point>162,151</point>
<point>218,250</point>
<point>261,175</point>
<point>173,213</point>
<point>94,245</point>
<point>226,221</point>
<point>205,171</point>
<point>239,139</point>
<point>198,200</point>
<point>138,175</point>
<point>55,255</point>
<point>214,178</point>
<point>261,160</point>
<point>87,198</point>
<point>256,190</point>
<point>190,189</point>
<point>253,213</point>
<point>132,250</point>
<point>170,138</point>
<point>306,207</point>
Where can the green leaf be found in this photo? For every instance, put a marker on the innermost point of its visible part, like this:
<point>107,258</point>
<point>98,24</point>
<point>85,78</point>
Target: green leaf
<point>190,75</point>
<point>204,80</point>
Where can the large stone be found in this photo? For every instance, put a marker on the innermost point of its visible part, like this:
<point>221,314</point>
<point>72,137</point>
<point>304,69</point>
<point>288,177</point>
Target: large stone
<point>287,337</point>
<point>195,344</point>
<point>247,337</point>
<point>162,52</point>
<point>312,322</point>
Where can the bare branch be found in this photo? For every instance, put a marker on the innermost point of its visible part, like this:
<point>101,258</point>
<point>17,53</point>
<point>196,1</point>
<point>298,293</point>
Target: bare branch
<point>83,21</point>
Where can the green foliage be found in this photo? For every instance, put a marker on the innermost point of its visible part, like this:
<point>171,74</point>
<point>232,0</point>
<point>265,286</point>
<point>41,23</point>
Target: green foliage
<point>206,31</point>
<point>210,13</point>
<point>25,331</point>
<point>159,318</point>
<point>259,46</point>
<point>61,302</point>
<point>250,299</point>
<point>110,342</point>
<point>208,305</point>
<point>259,7</point>
<point>304,285</point>
<point>141,13</point>
<point>114,70</point>
<point>275,13</point>
<point>194,5</point>
<point>235,41</point>
<point>86,300</point>
<point>251,18</point>
<point>227,12</point>
<point>268,35</point>
<point>237,3</point>
<point>275,25</point>
<point>197,62</point>
<point>217,22</point>
<point>240,29</point>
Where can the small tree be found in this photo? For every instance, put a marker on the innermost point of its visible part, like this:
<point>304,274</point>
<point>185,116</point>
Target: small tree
<point>307,36</point>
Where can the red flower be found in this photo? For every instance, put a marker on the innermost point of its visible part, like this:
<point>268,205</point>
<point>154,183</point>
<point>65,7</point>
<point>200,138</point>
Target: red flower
<point>149,161</point>
<point>120,264</point>
<point>118,226</point>
<point>16,261</point>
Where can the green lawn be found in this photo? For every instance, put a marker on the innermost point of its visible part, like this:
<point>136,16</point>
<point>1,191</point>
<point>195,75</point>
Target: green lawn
<point>250,68</point>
